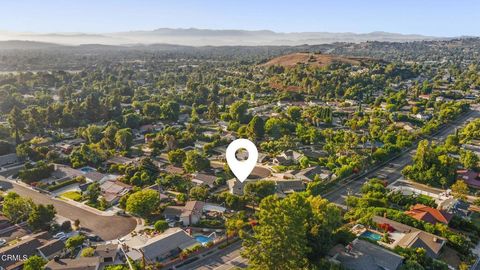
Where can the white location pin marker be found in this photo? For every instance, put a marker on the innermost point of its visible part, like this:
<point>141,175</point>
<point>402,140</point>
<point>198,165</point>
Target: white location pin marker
<point>242,168</point>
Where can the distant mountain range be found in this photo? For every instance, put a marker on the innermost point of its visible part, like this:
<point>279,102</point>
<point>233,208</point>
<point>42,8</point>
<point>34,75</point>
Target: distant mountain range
<point>207,37</point>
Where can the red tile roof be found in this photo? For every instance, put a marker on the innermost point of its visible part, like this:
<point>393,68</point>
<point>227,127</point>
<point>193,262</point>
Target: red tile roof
<point>429,214</point>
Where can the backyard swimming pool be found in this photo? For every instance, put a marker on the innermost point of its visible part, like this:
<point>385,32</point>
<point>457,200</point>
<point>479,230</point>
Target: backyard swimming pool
<point>202,239</point>
<point>371,235</point>
<point>87,169</point>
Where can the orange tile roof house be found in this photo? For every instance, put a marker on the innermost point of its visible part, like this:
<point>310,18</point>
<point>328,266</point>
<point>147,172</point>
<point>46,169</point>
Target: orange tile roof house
<point>429,214</point>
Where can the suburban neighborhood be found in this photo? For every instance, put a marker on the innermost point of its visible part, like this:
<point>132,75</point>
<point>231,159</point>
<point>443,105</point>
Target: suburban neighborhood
<point>117,154</point>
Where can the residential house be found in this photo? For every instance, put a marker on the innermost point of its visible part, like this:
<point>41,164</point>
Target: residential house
<point>429,214</point>
<point>189,214</point>
<point>51,249</point>
<point>315,154</point>
<point>456,207</point>
<point>107,253</point>
<point>174,170</point>
<point>81,263</point>
<point>65,148</point>
<point>410,237</point>
<point>95,176</point>
<point>8,159</point>
<point>223,125</point>
<point>235,186</point>
<point>423,116</point>
<point>199,145</point>
<point>470,177</point>
<point>168,244</point>
<point>288,157</point>
<point>119,160</point>
<point>62,173</point>
<point>407,126</point>
<point>113,190</point>
<point>146,128</point>
<point>309,174</point>
<point>204,179</point>
<point>285,187</point>
<point>38,244</point>
<point>363,255</point>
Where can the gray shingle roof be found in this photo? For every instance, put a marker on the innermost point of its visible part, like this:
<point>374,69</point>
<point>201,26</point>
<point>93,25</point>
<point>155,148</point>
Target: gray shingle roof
<point>160,245</point>
<point>82,263</point>
<point>368,256</point>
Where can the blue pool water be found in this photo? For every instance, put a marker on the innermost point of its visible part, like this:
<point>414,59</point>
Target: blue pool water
<point>203,239</point>
<point>87,169</point>
<point>371,235</point>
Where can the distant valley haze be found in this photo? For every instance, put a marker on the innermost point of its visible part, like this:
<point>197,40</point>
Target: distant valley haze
<point>210,37</point>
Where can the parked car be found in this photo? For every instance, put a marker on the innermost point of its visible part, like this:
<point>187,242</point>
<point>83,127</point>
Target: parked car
<point>60,236</point>
<point>2,242</point>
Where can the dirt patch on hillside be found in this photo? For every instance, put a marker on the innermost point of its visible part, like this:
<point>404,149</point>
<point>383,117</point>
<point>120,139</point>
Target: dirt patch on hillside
<point>315,59</point>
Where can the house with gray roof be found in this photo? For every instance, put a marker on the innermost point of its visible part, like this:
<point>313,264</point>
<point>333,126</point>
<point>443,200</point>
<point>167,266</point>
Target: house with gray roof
<point>37,244</point>
<point>82,263</point>
<point>204,179</point>
<point>288,157</point>
<point>309,174</point>
<point>285,187</point>
<point>362,255</point>
<point>8,159</point>
<point>168,244</point>
<point>189,214</point>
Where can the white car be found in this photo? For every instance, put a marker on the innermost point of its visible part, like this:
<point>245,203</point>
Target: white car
<point>60,236</point>
<point>2,242</point>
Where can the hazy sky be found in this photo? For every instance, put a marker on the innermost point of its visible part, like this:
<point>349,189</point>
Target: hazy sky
<point>428,17</point>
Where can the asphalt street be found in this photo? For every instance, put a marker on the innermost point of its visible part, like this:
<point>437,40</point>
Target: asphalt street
<point>107,227</point>
<point>393,171</point>
<point>225,259</point>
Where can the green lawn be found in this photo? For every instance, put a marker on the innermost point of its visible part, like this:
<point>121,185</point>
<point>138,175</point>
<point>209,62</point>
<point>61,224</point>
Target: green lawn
<point>72,195</point>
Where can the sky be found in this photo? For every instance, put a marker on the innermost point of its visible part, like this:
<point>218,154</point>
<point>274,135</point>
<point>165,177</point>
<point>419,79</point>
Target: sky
<point>428,17</point>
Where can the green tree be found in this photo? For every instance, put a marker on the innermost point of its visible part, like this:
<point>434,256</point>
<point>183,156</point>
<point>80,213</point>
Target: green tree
<point>258,190</point>
<point>131,120</point>
<point>124,138</point>
<point>198,193</point>
<point>34,262</point>
<point>195,162</point>
<point>238,111</point>
<point>160,225</point>
<point>41,216</point>
<point>176,157</point>
<point>212,112</point>
<point>280,238</point>
<point>16,208</point>
<point>93,192</point>
<point>74,241</point>
<point>460,190</point>
<point>293,232</point>
<point>469,159</point>
<point>294,113</point>
<point>143,203</point>
<point>152,110</point>
<point>93,133</point>
<point>88,252</point>
<point>256,127</point>
<point>17,122</point>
